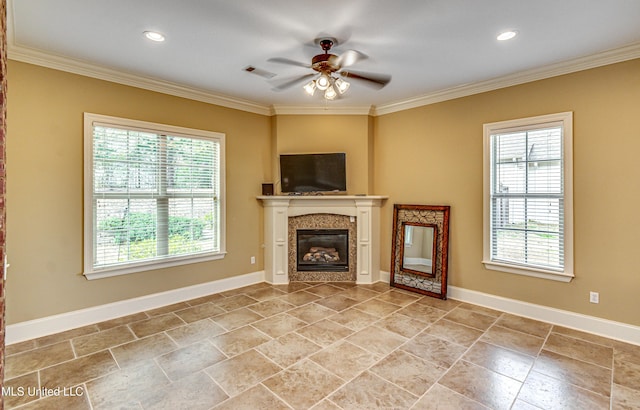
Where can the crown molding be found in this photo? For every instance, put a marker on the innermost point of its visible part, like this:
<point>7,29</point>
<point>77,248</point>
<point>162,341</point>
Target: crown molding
<point>617,55</point>
<point>56,62</point>
<point>325,110</point>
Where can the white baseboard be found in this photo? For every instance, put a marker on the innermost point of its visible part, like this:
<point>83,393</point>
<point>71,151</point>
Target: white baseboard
<point>65,321</point>
<point>591,324</point>
<point>59,323</point>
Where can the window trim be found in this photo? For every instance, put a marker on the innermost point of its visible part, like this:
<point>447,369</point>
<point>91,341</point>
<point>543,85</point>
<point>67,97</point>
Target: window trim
<point>566,119</point>
<point>131,267</point>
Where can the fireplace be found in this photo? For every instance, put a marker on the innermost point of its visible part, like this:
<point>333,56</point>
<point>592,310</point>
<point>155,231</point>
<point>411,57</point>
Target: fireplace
<point>325,250</point>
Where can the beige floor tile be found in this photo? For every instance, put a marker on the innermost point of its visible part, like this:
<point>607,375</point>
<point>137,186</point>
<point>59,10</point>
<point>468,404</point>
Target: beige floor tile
<point>588,337</point>
<point>20,347</point>
<point>408,371</point>
<point>194,332</point>
<point>446,305</point>
<point>397,298</point>
<point>204,299</point>
<point>324,290</point>
<point>354,319</point>
<point>377,340</point>
<point>235,302</point>
<point>380,287</point>
<point>187,393</point>
<point>155,324</point>
<point>311,312</point>
<point>524,325</point>
<point>326,405</point>
<point>337,302</point>
<point>523,405</point>
<point>402,325</point>
<point>344,359</point>
<point>625,398</point>
<point>95,342</point>
<point>299,298</point>
<point>627,374</point>
<point>77,371</point>
<point>360,293</point>
<point>548,393</point>
<point>124,320</point>
<point>241,372</point>
<point>237,318</point>
<point>69,334</point>
<point>481,309</point>
<point>377,307</point>
<point>27,362</point>
<point>514,340</point>
<point>441,398</point>
<point>271,307</point>
<point>470,318</point>
<point>239,340</point>
<point>579,373</point>
<point>580,349</point>
<point>303,384</point>
<point>167,309</point>
<point>434,350</point>
<point>369,391</point>
<point>325,332</point>
<point>454,332</point>
<point>199,312</point>
<point>422,312</point>
<point>500,360</point>
<point>278,325</point>
<point>265,293</point>
<point>288,349</point>
<point>292,287</point>
<point>126,388</point>
<point>482,385</point>
<point>20,390</point>
<point>626,352</point>
<point>256,397</point>
<point>190,359</point>
<point>75,400</point>
<point>152,346</point>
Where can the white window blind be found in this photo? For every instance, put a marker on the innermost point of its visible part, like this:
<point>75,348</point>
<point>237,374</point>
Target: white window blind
<point>527,203</point>
<point>156,195</point>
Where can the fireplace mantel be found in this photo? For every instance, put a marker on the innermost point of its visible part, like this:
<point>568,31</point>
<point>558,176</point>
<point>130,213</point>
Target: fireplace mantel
<point>278,209</point>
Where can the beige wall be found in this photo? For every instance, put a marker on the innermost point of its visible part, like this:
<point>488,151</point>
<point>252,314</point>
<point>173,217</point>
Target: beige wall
<point>433,155</point>
<point>427,155</point>
<point>44,189</point>
<point>301,134</point>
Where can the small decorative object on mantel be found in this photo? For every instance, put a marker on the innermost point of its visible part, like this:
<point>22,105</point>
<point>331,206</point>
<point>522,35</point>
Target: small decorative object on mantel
<point>419,251</point>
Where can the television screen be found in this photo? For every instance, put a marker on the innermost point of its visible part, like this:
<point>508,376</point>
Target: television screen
<point>313,173</point>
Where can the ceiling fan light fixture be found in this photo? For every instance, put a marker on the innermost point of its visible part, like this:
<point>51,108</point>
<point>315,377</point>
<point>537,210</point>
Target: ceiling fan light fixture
<point>507,35</point>
<point>341,85</point>
<point>330,94</point>
<point>310,87</point>
<point>323,82</point>
<point>154,36</point>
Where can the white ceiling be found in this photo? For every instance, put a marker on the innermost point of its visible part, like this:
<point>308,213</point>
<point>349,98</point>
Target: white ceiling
<point>433,49</point>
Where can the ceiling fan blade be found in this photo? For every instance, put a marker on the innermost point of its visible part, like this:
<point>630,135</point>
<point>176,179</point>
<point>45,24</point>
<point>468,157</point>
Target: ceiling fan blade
<point>290,83</point>
<point>281,60</point>
<point>372,79</point>
<point>350,57</point>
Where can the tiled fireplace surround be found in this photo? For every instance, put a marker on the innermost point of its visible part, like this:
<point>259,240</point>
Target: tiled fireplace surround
<point>284,214</point>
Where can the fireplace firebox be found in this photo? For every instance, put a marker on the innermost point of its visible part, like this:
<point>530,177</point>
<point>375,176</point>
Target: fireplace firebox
<point>322,250</point>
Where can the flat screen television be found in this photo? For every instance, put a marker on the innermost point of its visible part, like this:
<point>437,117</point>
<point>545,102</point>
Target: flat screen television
<point>301,173</point>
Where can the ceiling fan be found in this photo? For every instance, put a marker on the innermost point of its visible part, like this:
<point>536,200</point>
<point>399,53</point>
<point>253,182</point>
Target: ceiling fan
<point>327,67</point>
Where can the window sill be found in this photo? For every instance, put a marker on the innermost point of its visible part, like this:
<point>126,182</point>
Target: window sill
<point>151,265</point>
<point>526,271</point>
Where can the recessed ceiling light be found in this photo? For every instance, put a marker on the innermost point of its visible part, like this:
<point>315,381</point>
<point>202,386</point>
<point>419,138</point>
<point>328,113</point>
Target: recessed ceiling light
<point>154,36</point>
<point>507,35</point>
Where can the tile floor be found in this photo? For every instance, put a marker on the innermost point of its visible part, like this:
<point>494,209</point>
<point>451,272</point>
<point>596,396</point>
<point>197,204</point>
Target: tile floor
<point>322,346</point>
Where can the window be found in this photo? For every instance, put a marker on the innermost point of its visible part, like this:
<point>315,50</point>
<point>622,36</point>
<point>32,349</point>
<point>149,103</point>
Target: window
<point>528,196</point>
<point>154,196</point>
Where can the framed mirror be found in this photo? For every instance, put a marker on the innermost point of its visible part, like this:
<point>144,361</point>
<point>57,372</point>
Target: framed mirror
<point>419,252</point>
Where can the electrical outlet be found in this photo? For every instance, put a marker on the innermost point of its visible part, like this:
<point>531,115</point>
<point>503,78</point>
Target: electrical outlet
<point>594,297</point>
<point>253,260</point>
